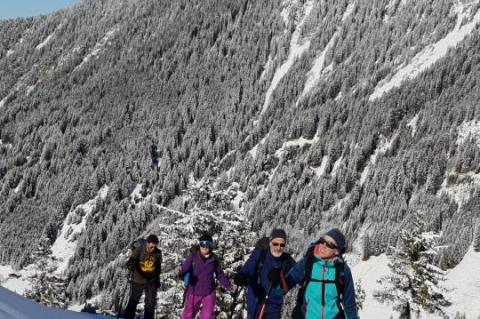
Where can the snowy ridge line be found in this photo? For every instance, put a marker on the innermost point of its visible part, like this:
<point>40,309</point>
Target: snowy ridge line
<point>315,73</point>
<point>296,50</point>
<point>429,55</point>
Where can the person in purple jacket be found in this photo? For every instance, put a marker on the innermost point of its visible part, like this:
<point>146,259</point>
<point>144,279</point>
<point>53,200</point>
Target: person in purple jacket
<point>202,266</point>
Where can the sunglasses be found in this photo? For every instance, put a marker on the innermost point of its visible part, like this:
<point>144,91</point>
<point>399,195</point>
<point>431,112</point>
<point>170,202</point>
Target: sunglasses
<point>206,244</point>
<point>323,241</point>
<point>278,244</point>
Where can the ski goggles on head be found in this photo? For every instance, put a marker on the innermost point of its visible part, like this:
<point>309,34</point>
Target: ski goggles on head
<point>323,241</point>
<point>206,244</point>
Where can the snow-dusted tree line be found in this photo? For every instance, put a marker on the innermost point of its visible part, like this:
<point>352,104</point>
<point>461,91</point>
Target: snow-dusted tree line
<point>86,92</point>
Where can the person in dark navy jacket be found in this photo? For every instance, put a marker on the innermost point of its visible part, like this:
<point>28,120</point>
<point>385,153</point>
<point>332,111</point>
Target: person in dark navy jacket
<point>263,273</point>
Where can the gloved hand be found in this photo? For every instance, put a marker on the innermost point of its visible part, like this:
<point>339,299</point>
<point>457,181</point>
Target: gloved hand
<point>179,274</point>
<point>131,264</point>
<point>274,275</point>
<point>239,279</point>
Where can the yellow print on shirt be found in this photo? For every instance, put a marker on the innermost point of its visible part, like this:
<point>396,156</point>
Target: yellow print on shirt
<point>147,265</point>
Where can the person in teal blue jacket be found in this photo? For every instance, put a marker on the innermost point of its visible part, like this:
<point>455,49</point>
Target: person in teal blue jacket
<point>327,290</point>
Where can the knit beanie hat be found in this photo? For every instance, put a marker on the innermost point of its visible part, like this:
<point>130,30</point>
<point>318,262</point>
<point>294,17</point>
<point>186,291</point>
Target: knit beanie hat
<point>278,233</point>
<point>206,237</point>
<point>337,235</point>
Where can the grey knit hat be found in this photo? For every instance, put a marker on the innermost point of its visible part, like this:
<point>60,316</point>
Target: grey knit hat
<point>278,233</point>
<point>337,235</point>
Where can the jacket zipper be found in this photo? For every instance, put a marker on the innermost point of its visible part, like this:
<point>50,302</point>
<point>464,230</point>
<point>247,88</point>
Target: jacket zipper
<point>323,291</point>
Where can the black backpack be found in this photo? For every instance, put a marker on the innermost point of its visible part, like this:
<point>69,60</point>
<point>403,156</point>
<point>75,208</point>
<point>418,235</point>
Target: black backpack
<point>263,246</point>
<point>339,284</point>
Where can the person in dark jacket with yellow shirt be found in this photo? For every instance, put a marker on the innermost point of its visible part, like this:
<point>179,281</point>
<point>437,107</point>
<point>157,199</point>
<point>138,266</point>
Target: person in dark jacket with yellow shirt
<point>145,262</point>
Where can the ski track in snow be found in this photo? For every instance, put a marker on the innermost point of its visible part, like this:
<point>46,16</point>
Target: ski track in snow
<point>429,55</point>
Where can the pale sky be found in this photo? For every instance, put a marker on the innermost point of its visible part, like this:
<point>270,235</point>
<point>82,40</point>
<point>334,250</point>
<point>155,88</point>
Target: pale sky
<point>26,8</point>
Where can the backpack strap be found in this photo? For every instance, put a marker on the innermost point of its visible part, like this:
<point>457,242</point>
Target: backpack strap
<point>307,275</point>
<point>339,280</point>
<point>259,265</point>
<point>141,245</point>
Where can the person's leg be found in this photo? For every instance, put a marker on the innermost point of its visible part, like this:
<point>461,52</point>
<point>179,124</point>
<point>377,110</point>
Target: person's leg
<point>273,315</point>
<point>208,306</point>
<point>135,294</point>
<point>150,301</point>
<point>192,305</point>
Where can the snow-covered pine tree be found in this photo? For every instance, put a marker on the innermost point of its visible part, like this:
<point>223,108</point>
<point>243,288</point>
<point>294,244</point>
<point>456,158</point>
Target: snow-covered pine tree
<point>413,287</point>
<point>366,248</point>
<point>476,239</point>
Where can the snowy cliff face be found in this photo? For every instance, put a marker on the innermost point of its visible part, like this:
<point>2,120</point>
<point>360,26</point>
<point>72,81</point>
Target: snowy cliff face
<point>306,114</point>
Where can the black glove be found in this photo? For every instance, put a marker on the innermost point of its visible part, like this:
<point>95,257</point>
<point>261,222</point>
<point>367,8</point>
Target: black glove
<point>274,275</point>
<point>131,264</point>
<point>239,279</point>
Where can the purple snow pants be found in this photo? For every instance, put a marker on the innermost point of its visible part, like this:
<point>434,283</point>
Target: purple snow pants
<point>192,306</point>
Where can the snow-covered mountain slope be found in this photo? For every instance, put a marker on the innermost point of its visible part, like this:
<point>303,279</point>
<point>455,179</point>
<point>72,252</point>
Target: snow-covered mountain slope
<point>13,306</point>
<point>279,101</point>
<point>434,52</point>
<point>462,285</point>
